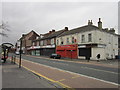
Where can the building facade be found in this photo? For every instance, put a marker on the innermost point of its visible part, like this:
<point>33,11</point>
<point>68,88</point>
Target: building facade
<point>26,41</point>
<point>90,41</point>
<point>46,44</point>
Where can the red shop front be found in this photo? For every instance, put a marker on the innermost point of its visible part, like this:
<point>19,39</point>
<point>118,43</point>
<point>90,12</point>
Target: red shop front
<point>68,51</point>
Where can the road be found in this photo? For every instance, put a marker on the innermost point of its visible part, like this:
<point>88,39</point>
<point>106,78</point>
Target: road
<point>98,72</point>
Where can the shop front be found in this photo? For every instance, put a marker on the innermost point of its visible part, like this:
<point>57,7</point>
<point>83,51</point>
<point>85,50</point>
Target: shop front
<point>47,50</point>
<point>67,51</point>
<point>34,50</point>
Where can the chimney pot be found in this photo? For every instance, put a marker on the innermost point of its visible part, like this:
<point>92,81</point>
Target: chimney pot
<point>91,22</point>
<point>50,31</point>
<point>53,30</point>
<point>99,19</point>
<point>66,28</point>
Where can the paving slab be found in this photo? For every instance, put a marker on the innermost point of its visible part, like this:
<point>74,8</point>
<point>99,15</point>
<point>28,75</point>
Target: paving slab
<point>15,77</point>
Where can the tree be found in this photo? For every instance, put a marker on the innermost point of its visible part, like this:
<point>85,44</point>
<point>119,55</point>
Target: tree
<point>4,27</point>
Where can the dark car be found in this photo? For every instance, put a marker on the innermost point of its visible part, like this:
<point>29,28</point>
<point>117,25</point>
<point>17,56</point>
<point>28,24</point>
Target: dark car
<point>56,56</point>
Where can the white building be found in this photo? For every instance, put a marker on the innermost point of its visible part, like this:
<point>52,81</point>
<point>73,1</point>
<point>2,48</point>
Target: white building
<point>91,40</point>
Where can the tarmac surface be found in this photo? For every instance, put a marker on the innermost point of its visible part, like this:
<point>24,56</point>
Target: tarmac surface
<point>15,77</point>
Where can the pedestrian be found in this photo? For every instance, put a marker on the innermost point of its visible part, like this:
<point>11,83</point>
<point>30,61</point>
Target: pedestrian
<point>98,57</point>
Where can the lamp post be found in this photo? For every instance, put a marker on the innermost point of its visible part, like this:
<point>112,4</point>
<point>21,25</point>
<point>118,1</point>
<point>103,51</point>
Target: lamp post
<point>20,53</point>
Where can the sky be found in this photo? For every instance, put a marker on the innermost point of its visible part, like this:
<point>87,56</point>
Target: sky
<point>22,17</point>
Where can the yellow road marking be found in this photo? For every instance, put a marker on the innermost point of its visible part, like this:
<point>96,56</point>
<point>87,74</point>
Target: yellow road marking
<point>57,82</point>
<point>75,76</point>
<point>61,80</point>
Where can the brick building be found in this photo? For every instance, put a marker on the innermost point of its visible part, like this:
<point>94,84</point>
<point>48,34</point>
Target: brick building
<point>46,43</point>
<point>27,41</point>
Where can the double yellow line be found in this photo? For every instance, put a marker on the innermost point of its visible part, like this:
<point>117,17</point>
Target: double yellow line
<point>57,82</point>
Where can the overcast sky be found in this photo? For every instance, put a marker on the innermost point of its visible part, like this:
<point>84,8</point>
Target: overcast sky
<point>22,17</point>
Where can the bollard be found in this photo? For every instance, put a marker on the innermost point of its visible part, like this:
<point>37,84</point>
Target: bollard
<point>11,59</point>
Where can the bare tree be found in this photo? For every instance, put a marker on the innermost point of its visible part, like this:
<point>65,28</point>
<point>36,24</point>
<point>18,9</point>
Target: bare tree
<point>4,27</point>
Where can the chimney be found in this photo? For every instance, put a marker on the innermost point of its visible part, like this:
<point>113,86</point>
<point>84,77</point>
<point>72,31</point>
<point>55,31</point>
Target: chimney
<point>23,35</point>
<point>100,24</point>
<point>112,30</point>
<point>66,28</point>
<point>41,35</point>
<point>90,22</point>
<point>50,31</point>
<point>106,29</point>
<point>53,30</point>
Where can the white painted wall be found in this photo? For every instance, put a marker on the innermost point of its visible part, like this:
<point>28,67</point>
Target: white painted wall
<point>96,51</point>
<point>109,42</point>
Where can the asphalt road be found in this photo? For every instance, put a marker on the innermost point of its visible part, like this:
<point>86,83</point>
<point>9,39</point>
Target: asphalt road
<point>99,72</point>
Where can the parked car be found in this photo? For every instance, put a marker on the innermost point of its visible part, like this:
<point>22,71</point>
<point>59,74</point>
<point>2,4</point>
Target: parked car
<point>56,56</point>
<point>17,53</point>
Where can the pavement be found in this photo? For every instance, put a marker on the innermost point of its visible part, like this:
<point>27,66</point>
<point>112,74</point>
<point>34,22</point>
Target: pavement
<point>15,77</point>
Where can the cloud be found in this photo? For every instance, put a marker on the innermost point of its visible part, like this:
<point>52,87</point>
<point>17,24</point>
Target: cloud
<point>44,16</point>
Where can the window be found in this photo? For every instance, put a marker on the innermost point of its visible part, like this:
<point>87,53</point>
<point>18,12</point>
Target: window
<point>41,43</point>
<point>33,43</point>
<point>45,42</point>
<point>52,41</point>
<point>61,40</point>
<point>72,39</point>
<point>38,43</point>
<point>57,42</point>
<point>83,38</point>
<point>89,37</point>
<point>67,40</point>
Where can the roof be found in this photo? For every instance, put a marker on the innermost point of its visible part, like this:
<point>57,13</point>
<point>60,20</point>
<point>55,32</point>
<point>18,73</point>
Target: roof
<point>52,35</point>
<point>84,29</point>
<point>80,29</point>
<point>24,35</point>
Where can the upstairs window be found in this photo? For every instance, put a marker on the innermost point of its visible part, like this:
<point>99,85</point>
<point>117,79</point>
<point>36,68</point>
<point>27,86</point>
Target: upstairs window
<point>83,38</point>
<point>52,41</point>
<point>61,41</point>
<point>67,40</point>
<point>41,43</point>
<point>57,42</point>
<point>72,39</point>
<point>89,37</point>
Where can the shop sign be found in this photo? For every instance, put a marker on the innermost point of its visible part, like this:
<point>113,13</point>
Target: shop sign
<point>81,46</point>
